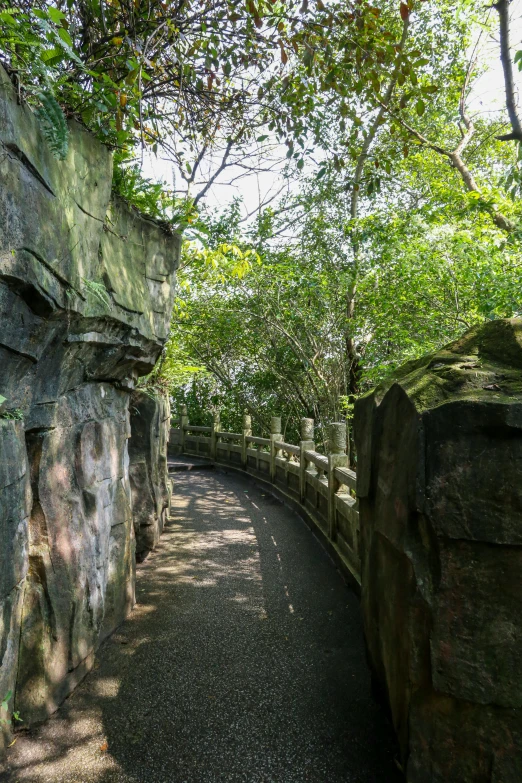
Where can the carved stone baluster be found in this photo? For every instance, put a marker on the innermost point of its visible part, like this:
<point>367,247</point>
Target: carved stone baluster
<point>306,444</point>
<point>275,435</point>
<point>247,431</point>
<point>183,422</point>
<point>337,458</point>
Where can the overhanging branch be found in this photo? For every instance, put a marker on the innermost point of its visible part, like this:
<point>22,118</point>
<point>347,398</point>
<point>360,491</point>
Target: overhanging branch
<point>502,6</point>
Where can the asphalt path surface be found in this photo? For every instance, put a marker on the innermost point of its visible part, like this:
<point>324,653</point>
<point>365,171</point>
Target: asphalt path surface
<point>243,662</point>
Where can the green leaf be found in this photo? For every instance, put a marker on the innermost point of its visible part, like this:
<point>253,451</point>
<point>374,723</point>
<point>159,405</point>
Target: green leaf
<point>55,14</point>
<point>7,18</point>
<point>420,107</point>
<point>64,35</point>
<point>52,56</point>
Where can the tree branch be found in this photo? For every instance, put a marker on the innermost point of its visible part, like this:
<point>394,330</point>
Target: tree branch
<point>216,174</point>
<point>502,6</point>
<point>354,202</point>
<point>456,161</point>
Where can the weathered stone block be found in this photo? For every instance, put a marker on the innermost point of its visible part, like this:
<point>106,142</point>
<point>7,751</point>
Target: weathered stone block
<point>439,458</point>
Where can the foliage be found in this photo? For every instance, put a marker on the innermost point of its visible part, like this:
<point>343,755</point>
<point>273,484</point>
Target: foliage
<point>143,73</point>
<point>431,264</point>
<point>14,414</point>
<point>349,57</point>
<point>187,77</point>
<point>513,179</point>
<point>53,124</point>
<point>4,706</point>
<point>98,292</point>
<point>154,386</point>
<point>153,199</point>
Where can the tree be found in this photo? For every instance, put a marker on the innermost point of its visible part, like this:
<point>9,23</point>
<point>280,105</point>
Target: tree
<point>184,79</point>
<point>431,264</point>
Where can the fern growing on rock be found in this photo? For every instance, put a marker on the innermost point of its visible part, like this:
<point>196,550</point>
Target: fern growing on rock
<point>53,124</point>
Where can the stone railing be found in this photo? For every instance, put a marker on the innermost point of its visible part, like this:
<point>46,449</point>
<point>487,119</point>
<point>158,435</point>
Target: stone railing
<point>321,488</point>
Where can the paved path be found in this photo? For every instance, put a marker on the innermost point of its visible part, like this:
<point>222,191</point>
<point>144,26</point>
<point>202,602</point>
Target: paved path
<point>243,662</point>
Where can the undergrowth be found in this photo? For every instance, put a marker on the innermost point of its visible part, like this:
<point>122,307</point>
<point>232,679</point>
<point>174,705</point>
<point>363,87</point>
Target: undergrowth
<point>153,199</point>
<point>4,705</point>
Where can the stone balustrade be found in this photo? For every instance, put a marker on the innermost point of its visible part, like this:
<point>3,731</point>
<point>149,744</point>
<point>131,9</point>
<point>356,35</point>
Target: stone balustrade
<point>320,487</point>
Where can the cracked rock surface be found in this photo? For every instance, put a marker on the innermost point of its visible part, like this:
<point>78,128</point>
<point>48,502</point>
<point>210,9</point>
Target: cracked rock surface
<point>86,292</point>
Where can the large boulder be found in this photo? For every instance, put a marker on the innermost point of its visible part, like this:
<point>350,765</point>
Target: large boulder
<point>439,465</point>
<point>86,293</point>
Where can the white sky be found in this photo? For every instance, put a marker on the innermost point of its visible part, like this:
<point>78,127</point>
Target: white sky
<point>487,97</point>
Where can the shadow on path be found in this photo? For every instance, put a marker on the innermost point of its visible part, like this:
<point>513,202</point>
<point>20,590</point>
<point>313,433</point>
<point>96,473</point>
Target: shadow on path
<point>242,662</point>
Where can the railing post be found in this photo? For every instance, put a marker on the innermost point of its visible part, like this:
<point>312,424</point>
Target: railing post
<point>348,443</point>
<point>337,458</point>
<point>247,430</point>
<point>183,422</point>
<point>215,428</point>
<point>306,444</point>
<point>275,434</point>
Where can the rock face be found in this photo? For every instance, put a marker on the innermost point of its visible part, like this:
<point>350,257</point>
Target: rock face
<point>150,426</point>
<point>440,493</point>
<point>86,292</point>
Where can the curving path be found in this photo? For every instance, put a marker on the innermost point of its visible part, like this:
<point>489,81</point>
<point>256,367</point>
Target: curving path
<point>243,662</point>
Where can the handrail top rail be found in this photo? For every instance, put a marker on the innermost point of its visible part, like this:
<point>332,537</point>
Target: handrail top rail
<point>280,444</point>
<point>229,435</point>
<point>318,459</point>
<point>194,428</point>
<point>346,475</point>
<point>258,441</point>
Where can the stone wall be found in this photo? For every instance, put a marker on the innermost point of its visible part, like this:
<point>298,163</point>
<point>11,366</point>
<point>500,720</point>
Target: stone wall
<point>86,292</point>
<point>440,493</point>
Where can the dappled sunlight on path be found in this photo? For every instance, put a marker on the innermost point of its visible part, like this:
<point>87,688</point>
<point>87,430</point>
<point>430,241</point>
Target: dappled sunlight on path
<point>242,661</point>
